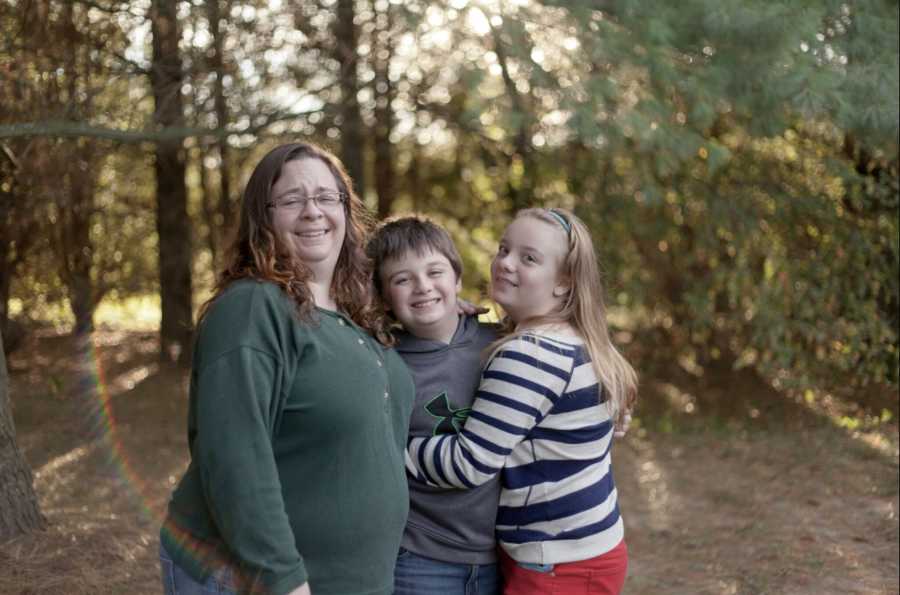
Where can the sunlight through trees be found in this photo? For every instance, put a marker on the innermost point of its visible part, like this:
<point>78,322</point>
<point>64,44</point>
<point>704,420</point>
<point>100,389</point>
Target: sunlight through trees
<point>737,161</point>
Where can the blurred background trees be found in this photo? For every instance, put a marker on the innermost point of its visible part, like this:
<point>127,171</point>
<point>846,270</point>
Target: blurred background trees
<point>736,161</point>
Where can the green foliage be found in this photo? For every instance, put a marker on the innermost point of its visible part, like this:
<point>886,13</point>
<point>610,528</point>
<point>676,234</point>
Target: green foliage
<point>74,204</point>
<point>736,160</point>
<point>747,181</point>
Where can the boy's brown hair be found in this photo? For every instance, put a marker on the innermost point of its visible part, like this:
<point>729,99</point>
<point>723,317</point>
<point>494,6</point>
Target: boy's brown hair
<point>395,237</point>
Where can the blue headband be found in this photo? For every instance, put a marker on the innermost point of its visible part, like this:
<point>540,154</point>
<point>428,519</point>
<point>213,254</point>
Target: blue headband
<point>562,220</point>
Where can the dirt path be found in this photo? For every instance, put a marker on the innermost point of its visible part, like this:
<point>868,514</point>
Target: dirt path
<point>797,506</point>
<point>758,512</point>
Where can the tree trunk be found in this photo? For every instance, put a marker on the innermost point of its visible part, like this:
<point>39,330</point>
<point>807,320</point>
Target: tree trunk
<point>19,511</point>
<point>82,304</point>
<point>76,204</point>
<point>172,224</point>
<point>352,137</point>
<point>17,233</point>
<point>5,263</point>
<point>384,111</point>
<point>74,249</point>
<point>226,203</point>
<point>415,177</point>
<point>210,209</point>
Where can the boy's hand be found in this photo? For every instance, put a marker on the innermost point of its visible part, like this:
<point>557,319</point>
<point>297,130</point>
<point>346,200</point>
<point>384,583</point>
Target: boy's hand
<point>467,308</point>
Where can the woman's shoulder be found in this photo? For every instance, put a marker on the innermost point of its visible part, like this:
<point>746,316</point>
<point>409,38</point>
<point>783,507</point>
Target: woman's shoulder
<point>247,312</point>
<point>245,295</point>
<point>249,288</point>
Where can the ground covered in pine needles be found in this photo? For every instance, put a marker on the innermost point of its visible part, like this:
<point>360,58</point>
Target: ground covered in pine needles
<point>797,496</point>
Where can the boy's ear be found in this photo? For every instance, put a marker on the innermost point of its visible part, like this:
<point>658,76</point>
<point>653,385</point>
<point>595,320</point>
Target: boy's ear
<point>458,284</point>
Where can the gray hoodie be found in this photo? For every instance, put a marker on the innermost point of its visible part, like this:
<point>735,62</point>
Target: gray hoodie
<point>448,525</point>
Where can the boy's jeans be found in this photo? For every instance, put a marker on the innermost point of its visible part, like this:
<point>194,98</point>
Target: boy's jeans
<point>416,575</point>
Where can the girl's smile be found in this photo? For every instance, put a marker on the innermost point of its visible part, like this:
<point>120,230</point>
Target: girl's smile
<point>525,273</point>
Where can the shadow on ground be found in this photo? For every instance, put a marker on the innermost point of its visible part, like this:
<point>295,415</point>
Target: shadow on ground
<point>103,429</point>
<point>763,494</point>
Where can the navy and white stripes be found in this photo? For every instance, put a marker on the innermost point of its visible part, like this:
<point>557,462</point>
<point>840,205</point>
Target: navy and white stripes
<point>540,418</point>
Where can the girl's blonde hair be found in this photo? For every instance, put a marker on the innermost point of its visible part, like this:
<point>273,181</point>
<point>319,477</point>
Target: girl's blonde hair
<point>585,309</point>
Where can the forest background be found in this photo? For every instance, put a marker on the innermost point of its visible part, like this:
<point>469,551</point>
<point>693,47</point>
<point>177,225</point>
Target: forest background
<point>737,162</point>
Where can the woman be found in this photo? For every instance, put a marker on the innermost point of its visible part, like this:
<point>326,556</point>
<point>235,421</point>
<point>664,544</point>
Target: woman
<point>298,417</point>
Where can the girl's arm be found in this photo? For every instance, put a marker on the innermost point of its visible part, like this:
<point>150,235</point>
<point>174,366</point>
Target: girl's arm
<point>518,387</point>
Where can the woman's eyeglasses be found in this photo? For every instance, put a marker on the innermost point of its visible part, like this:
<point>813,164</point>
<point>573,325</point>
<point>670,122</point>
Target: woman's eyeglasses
<point>295,202</point>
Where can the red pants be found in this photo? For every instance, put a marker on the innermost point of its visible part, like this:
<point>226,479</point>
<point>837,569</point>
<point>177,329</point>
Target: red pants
<point>603,575</point>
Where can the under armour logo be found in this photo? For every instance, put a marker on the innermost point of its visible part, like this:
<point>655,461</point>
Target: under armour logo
<point>450,420</point>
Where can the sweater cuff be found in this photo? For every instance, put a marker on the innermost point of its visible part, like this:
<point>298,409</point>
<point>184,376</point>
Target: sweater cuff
<point>288,583</point>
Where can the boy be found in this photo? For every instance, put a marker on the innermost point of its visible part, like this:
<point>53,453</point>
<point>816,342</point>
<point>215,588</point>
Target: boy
<point>448,546</point>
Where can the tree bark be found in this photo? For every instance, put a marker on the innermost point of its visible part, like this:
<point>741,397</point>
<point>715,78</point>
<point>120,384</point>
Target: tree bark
<point>5,259</point>
<point>73,245</point>
<point>17,235</point>
<point>384,111</point>
<point>210,208</point>
<point>226,203</point>
<point>19,510</point>
<point>76,208</point>
<point>172,224</point>
<point>352,137</point>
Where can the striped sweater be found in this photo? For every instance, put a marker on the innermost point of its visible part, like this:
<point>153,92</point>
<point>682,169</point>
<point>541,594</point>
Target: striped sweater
<point>540,419</point>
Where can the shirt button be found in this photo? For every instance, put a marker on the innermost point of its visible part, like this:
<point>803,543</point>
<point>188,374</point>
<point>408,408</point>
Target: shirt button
<point>341,321</point>
<point>360,341</point>
<point>386,394</point>
<point>379,363</point>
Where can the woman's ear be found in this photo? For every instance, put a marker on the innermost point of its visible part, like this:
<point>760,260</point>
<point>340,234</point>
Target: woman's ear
<point>388,311</point>
<point>385,302</point>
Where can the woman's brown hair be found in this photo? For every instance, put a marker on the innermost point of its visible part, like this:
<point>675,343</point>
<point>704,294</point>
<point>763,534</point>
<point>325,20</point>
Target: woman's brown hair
<point>258,253</point>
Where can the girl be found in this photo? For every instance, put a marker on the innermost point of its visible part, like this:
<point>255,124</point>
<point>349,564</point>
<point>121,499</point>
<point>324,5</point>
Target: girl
<point>545,414</point>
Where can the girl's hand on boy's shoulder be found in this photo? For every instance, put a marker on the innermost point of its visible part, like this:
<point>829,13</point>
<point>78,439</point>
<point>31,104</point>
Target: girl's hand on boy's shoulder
<point>467,308</point>
<point>622,425</point>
